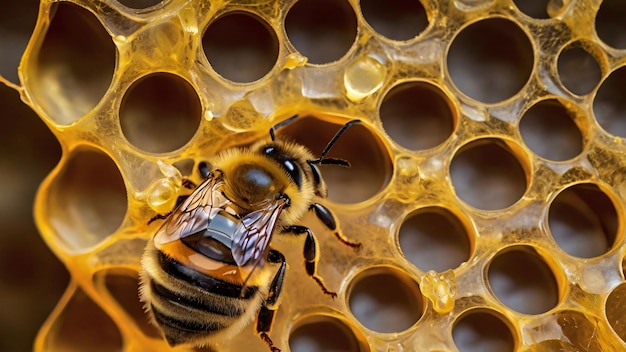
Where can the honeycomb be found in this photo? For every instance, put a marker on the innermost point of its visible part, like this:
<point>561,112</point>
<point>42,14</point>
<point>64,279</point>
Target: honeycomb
<point>487,183</point>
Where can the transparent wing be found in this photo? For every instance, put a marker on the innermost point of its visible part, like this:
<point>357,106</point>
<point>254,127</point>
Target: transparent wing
<point>253,233</point>
<point>195,213</point>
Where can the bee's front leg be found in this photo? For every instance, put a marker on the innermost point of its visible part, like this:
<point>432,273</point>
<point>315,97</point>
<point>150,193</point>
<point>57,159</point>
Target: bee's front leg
<point>327,218</point>
<point>266,314</point>
<point>310,255</point>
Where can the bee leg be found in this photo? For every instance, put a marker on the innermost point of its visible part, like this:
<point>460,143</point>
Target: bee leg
<point>187,183</point>
<point>310,255</point>
<point>327,218</point>
<point>266,314</point>
<point>204,168</point>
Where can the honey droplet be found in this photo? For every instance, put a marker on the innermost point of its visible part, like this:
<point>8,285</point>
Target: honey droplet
<point>440,289</point>
<point>363,77</point>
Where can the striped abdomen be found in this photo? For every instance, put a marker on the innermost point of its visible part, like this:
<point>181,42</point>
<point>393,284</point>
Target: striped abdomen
<point>191,306</point>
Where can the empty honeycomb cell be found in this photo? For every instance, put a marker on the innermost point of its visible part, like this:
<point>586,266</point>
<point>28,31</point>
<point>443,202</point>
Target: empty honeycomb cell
<point>240,46</point>
<point>325,333</point>
<point>549,128</point>
<point>17,21</point>
<point>85,201</point>
<point>533,8</point>
<point>610,25</point>
<point>371,165</point>
<point>609,104</point>
<point>578,69</point>
<point>434,238</point>
<point>160,113</point>
<point>385,299</point>
<point>72,65</point>
<point>615,308</point>
<point>490,60</point>
<point>489,174</point>
<point>483,330</point>
<point>139,4</point>
<point>418,115</point>
<point>395,19</point>
<point>584,221</point>
<point>321,30</point>
<point>523,281</point>
<point>81,326</point>
<point>122,285</point>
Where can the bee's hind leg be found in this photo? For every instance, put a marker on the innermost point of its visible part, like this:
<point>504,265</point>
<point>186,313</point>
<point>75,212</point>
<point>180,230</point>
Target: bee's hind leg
<point>266,314</point>
<point>310,255</point>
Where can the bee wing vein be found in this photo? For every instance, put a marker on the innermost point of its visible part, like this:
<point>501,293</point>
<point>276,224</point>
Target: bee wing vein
<point>253,233</point>
<point>195,213</point>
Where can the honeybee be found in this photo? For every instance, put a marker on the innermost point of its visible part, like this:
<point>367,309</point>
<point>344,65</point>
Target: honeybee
<point>210,270</point>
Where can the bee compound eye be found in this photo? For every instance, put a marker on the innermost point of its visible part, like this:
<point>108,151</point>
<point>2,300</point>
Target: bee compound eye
<point>293,170</point>
<point>286,163</point>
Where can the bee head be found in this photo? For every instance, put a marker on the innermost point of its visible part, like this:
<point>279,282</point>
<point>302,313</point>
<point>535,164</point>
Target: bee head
<point>290,158</point>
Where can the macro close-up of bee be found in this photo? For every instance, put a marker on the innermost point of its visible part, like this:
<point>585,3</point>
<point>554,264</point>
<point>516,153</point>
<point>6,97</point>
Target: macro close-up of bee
<point>210,268</point>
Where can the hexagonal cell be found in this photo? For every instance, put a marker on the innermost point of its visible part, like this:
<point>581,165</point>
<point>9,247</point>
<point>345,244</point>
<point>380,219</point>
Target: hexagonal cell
<point>240,46</point>
<point>578,69</point>
<point>610,24</point>
<point>84,202</point>
<point>325,333</point>
<point>490,60</point>
<point>395,19</point>
<point>489,173</point>
<point>584,221</point>
<point>79,325</point>
<point>385,299</point>
<point>523,281</point>
<point>315,24</point>
<point>549,129</point>
<point>72,68</point>
<point>418,115</point>
<point>371,164</point>
<point>609,104</point>
<point>615,308</point>
<point>434,238</point>
<point>160,113</point>
<point>483,330</point>
<point>17,21</point>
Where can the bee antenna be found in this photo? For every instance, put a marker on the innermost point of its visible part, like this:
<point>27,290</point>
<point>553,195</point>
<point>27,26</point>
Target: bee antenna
<point>330,161</point>
<point>281,124</point>
<point>334,161</point>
